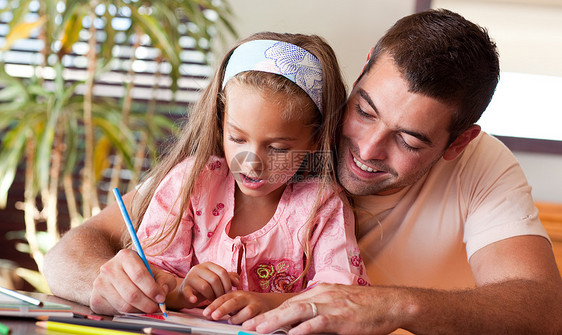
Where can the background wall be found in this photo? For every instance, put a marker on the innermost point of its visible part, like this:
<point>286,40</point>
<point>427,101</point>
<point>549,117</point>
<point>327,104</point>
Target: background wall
<point>350,27</point>
<point>528,33</point>
<point>527,102</point>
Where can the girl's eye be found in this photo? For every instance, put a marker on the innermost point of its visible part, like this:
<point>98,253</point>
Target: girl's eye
<point>278,150</point>
<point>235,140</point>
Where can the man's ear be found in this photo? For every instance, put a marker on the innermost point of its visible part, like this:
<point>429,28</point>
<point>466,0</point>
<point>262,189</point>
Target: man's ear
<point>364,66</point>
<point>458,145</point>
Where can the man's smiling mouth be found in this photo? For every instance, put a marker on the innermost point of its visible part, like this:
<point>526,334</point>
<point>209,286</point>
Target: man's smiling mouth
<point>363,166</point>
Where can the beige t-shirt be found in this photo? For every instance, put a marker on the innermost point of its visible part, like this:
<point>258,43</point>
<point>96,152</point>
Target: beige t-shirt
<point>424,235</point>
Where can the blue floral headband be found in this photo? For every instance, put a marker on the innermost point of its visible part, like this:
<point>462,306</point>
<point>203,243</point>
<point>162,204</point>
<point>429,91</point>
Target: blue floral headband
<point>293,62</point>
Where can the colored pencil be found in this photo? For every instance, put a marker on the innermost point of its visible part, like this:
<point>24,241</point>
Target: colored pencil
<point>4,330</point>
<point>118,325</point>
<point>78,329</point>
<point>21,297</point>
<point>87,316</point>
<point>160,331</point>
<point>135,239</point>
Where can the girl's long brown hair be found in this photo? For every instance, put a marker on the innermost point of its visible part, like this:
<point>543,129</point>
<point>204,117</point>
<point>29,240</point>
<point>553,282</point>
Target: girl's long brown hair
<point>201,136</point>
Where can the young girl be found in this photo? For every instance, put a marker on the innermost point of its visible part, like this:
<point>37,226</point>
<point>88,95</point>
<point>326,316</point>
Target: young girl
<point>247,199</point>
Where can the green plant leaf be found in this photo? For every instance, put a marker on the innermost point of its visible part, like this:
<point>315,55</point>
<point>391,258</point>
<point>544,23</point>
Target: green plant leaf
<point>13,143</point>
<point>9,116</point>
<point>35,278</point>
<point>44,240</point>
<point>18,13</point>
<point>10,93</point>
<point>33,110</point>
<point>71,33</point>
<point>71,142</point>
<point>102,150</point>
<point>158,36</point>
<point>121,138</point>
<point>44,149</point>
<point>106,52</point>
<point>22,30</point>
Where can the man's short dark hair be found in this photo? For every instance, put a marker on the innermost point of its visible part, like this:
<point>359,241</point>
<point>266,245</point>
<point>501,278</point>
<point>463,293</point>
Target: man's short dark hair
<point>446,57</point>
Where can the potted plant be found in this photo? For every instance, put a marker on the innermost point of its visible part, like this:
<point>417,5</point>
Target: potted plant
<point>63,139</point>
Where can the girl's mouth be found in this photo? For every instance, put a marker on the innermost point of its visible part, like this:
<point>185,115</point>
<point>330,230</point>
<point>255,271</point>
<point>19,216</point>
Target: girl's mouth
<point>250,179</point>
<point>251,183</point>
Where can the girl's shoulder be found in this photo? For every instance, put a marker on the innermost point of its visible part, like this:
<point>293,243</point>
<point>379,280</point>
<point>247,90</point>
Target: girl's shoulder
<point>180,172</point>
<point>215,165</point>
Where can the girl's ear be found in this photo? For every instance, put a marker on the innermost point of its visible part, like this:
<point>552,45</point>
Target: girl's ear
<point>458,145</point>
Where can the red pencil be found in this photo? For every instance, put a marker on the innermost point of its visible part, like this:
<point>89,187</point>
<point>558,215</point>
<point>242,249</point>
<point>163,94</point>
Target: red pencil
<point>156,331</point>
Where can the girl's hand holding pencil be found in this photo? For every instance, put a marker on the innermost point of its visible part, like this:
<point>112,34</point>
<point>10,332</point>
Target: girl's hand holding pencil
<point>136,242</point>
<point>123,285</point>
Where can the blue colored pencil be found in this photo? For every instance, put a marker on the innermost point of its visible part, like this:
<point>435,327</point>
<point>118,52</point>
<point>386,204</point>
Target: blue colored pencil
<point>135,239</point>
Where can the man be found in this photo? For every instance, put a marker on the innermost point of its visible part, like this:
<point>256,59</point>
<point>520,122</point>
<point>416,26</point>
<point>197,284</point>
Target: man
<point>446,223</point>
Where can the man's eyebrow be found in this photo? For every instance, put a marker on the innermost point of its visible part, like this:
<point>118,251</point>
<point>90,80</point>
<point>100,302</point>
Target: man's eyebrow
<point>367,98</point>
<point>415,134</point>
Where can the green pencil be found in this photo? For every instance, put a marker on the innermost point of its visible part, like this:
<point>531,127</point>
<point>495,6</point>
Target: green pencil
<point>4,330</point>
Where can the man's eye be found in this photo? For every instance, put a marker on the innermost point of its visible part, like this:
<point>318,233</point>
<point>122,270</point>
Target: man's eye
<point>361,112</point>
<point>406,145</point>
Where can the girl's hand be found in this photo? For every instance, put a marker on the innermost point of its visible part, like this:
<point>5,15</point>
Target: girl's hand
<point>124,285</point>
<point>241,305</point>
<point>207,281</point>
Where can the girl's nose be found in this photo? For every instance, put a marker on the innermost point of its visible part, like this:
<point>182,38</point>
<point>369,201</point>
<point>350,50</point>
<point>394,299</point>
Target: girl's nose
<point>246,162</point>
<point>254,163</point>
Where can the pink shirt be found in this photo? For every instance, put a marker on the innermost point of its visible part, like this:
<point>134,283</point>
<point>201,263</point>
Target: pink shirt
<point>272,256</point>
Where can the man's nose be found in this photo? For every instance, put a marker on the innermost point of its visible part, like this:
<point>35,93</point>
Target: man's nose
<point>373,145</point>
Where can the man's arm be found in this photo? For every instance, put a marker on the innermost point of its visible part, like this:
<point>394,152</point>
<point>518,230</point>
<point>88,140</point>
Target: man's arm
<point>519,291</point>
<point>72,265</point>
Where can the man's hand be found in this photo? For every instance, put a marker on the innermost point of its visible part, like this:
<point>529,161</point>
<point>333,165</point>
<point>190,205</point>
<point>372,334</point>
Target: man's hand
<point>341,309</point>
<point>494,308</point>
<point>124,285</point>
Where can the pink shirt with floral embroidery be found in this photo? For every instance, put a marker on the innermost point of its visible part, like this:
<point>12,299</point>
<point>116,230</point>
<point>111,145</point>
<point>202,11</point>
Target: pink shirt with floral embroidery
<point>272,256</point>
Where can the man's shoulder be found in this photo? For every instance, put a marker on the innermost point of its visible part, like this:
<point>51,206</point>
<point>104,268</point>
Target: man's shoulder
<point>484,152</point>
<point>487,142</point>
<point>484,144</point>
<point>484,163</point>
